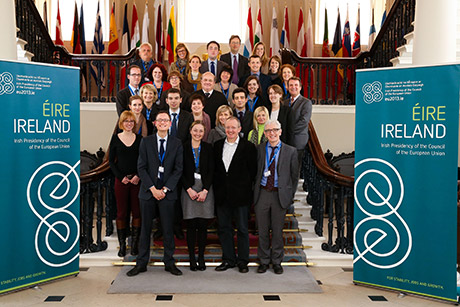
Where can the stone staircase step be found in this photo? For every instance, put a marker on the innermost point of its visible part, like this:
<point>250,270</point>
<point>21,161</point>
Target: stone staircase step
<point>313,240</point>
<point>322,258</point>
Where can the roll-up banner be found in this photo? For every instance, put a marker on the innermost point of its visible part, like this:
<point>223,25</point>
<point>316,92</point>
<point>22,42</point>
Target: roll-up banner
<point>40,171</point>
<point>405,217</point>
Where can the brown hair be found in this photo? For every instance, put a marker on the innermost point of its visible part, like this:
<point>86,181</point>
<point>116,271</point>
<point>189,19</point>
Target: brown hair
<point>124,116</point>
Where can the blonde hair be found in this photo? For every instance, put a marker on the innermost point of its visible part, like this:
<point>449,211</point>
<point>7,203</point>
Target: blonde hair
<point>221,110</point>
<point>256,112</point>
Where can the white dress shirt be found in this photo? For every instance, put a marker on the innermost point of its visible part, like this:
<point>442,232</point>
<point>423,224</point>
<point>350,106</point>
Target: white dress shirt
<point>228,152</point>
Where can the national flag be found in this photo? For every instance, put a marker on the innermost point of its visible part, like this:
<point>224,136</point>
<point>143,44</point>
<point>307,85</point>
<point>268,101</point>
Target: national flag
<point>45,15</point>
<point>301,44</point>
<point>159,46</point>
<point>75,40</point>
<point>274,37</point>
<point>171,40</point>
<point>346,43</point>
<point>383,18</point>
<point>113,46</point>
<point>135,36</point>
<point>337,43</point>
<point>145,25</point>
<point>285,32</point>
<point>371,31</point>
<point>249,42</point>
<point>96,69</point>
<point>83,48</point>
<point>125,37</point>
<point>58,40</point>
<point>356,40</point>
<point>325,52</point>
<point>259,28</point>
<point>309,36</point>
<point>125,46</point>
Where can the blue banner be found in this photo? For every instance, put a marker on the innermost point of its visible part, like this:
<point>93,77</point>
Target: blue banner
<point>40,171</point>
<point>405,216</point>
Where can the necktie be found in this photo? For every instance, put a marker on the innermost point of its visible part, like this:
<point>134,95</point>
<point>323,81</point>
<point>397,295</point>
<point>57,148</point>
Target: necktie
<point>136,91</point>
<point>162,154</point>
<point>271,179</point>
<point>213,68</point>
<point>240,115</point>
<point>174,124</point>
<point>291,102</point>
<point>235,70</point>
<point>207,95</point>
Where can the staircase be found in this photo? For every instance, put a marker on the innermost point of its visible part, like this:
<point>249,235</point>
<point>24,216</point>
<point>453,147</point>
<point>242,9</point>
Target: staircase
<point>405,52</point>
<point>23,55</point>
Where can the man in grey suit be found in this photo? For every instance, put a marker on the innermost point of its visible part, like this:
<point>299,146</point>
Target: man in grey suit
<point>302,108</point>
<point>160,168</point>
<point>275,186</point>
<point>212,64</point>
<point>237,61</point>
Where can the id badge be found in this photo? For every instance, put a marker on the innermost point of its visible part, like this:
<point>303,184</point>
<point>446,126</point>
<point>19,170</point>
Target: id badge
<point>197,176</point>
<point>267,173</point>
<point>161,169</point>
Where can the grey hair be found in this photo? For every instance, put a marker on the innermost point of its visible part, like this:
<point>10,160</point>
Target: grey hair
<point>273,121</point>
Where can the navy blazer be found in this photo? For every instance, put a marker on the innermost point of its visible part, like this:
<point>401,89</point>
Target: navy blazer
<point>287,169</point>
<point>122,102</point>
<point>235,187</point>
<point>243,68</point>
<point>148,163</point>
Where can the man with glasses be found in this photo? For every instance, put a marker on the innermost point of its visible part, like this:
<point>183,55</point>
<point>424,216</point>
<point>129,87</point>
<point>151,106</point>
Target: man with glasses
<point>275,186</point>
<point>160,168</point>
<point>145,61</point>
<point>236,60</point>
<point>134,77</point>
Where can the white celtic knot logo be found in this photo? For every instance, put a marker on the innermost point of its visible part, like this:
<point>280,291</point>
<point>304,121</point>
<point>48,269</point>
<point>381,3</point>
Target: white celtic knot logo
<point>382,239</point>
<point>372,92</point>
<point>6,83</point>
<point>52,188</point>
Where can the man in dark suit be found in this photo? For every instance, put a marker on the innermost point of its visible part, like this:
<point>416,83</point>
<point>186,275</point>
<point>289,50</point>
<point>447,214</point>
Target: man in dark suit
<point>145,61</point>
<point>238,62</point>
<point>265,81</point>
<point>235,169</point>
<point>275,186</point>
<point>302,108</point>
<point>213,99</point>
<point>240,98</point>
<point>160,169</point>
<point>212,64</point>
<point>134,77</point>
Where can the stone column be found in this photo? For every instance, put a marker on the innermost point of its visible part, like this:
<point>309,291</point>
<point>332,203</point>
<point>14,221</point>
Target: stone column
<point>8,50</point>
<point>435,32</point>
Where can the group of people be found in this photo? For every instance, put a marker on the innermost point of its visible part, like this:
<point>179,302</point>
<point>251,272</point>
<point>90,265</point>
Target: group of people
<point>209,139</point>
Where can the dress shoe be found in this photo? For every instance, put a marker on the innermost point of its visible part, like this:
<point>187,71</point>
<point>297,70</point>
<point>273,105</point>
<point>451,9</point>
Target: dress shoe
<point>173,270</point>
<point>262,268</point>
<point>136,270</point>
<point>201,265</point>
<point>224,266</point>
<point>193,266</point>
<point>243,268</point>
<point>278,269</point>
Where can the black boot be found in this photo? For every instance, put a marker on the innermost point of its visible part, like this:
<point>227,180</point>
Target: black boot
<point>122,241</point>
<point>135,241</point>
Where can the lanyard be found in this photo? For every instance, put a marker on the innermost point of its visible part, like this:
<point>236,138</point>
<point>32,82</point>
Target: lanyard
<point>223,91</point>
<point>159,91</point>
<point>140,130</point>
<point>251,107</point>
<point>284,88</point>
<point>195,157</point>
<point>147,113</point>
<point>267,156</point>
<point>132,92</point>
<point>149,63</point>
<point>195,86</point>
<point>180,69</point>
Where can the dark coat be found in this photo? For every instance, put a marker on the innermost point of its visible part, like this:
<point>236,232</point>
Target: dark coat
<point>286,119</point>
<point>243,68</point>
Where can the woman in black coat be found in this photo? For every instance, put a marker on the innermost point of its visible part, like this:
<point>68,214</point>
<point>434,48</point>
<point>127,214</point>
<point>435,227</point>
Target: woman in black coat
<point>197,196</point>
<point>282,113</point>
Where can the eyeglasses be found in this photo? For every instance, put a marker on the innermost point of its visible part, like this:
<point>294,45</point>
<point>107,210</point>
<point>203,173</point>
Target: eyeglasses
<point>272,130</point>
<point>129,121</point>
<point>135,75</point>
<point>162,120</point>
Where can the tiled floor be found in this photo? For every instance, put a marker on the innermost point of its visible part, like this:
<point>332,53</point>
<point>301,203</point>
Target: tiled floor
<point>89,288</point>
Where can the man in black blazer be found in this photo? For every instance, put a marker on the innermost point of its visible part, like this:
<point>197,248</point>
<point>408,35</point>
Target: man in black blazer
<point>212,99</point>
<point>159,166</point>
<point>134,77</point>
<point>212,64</point>
<point>234,173</point>
<point>237,61</point>
<point>275,186</point>
<point>265,81</point>
<point>145,61</point>
<point>240,98</point>
<point>181,120</point>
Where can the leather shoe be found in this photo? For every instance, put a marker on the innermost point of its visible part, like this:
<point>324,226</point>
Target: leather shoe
<point>136,270</point>
<point>173,270</point>
<point>243,268</point>
<point>278,269</point>
<point>262,268</point>
<point>224,266</point>
<point>193,266</point>
<point>201,265</point>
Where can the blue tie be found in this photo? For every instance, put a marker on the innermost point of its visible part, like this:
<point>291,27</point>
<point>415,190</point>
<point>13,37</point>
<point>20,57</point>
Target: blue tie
<point>213,69</point>
<point>174,125</point>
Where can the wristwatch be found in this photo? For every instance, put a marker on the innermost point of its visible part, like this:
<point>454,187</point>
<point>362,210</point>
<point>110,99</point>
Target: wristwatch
<point>165,190</point>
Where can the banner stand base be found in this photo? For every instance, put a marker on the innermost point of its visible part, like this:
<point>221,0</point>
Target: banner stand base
<point>405,292</point>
